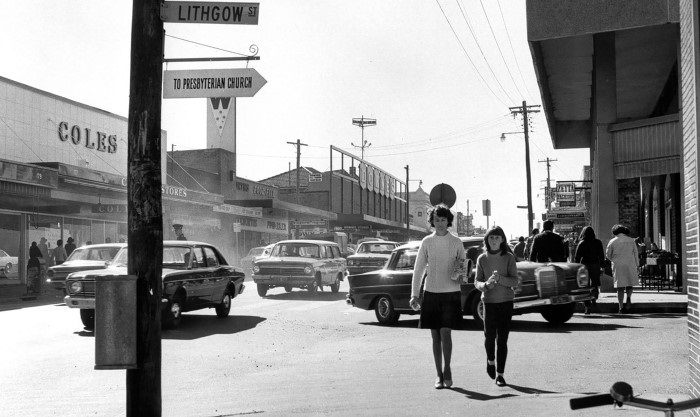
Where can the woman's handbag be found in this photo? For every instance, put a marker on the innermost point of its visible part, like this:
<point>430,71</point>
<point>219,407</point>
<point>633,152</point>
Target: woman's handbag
<point>607,267</point>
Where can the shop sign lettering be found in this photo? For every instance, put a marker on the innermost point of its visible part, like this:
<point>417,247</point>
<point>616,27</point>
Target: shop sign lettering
<point>173,191</point>
<point>77,135</point>
<point>109,208</point>
<point>276,225</point>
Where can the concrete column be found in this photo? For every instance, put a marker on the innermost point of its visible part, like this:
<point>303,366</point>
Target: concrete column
<point>603,114</point>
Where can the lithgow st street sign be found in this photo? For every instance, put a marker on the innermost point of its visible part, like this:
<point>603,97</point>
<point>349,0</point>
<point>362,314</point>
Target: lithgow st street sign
<point>210,12</point>
<point>228,82</point>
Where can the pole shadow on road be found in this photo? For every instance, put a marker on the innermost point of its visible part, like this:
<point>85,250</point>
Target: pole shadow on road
<point>303,295</point>
<point>524,326</point>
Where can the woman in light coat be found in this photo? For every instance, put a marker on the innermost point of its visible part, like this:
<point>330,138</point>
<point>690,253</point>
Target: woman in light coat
<point>622,252</point>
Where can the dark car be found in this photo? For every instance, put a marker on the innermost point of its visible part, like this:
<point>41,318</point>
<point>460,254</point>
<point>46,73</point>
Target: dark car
<point>84,258</point>
<point>370,256</point>
<point>195,276</point>
<point>552,289</point>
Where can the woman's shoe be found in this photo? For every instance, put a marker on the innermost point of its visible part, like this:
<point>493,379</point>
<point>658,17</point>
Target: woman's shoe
<point>438,383</point>
<point>491,370</point>
<point>447,383</point>
<point>500,381</point>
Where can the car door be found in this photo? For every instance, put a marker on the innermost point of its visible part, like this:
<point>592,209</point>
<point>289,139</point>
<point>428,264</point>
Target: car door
<point>200,275</point>
<point>218,276</point>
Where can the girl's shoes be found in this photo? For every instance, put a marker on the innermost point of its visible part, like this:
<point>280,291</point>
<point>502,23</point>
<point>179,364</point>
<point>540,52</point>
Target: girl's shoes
<point>439,384</point>
<point>500,381</point>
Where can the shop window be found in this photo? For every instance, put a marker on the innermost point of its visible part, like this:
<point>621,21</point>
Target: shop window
<point>11,256</point>
<point>78,229</point>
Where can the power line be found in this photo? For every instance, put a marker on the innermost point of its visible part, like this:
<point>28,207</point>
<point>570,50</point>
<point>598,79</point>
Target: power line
<point>459,4</point>
<point>469,58</point>
<point>505,27</point>
<point>499,50</point>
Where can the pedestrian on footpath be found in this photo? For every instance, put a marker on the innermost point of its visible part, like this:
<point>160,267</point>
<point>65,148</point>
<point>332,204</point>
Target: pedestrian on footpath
<point>496,275</point>
<point>548,246</point>
<point>70,246</point>
<point>622,252</point>
<point>528,242</point>
<point>589,252</point>
<point>34,269</point>
<point>440,258</point>
<point>519,249</point>
<point>59,254</point>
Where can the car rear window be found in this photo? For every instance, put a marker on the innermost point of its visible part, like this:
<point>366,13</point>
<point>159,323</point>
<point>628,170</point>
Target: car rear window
<point>93,254</point>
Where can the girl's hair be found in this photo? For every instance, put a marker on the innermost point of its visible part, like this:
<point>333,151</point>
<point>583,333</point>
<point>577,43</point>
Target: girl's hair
<point>496,230</point>
<point>587,233</point>
<point>618,228</point>
<point>440,211</point>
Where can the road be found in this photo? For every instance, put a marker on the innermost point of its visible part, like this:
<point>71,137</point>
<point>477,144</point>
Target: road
<point>314,355</point>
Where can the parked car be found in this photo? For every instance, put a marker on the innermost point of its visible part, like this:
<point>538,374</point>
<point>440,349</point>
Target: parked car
<point>308,264</point>
<point>84,258</point>
<point>552,289</point>
<point>195,276</point>
<point>7,262</point>
<point>473,247</point>
<point>253,254</point>
<point>370,256</point>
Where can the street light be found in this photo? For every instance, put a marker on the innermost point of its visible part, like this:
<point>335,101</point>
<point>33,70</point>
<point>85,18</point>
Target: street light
<point>530,214</point>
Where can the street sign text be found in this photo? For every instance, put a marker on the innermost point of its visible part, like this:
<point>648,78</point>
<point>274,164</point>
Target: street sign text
<point>209,12</point>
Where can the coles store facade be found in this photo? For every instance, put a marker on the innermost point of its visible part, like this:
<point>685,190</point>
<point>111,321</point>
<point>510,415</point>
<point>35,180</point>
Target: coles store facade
<point>63,174</point>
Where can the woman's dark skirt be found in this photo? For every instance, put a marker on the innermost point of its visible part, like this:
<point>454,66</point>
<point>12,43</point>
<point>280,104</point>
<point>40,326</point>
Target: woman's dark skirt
<point>440,310</point>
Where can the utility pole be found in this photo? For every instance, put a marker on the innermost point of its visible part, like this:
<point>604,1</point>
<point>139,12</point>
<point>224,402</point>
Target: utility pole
<point>144,204</point>
<point>524,110</point>
<point>362,122</point>
<point>548,194</point>
<point>408,215</point>
<point>298,144</point>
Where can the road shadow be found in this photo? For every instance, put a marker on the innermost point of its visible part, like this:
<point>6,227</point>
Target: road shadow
<point>524,326</point>
<point>197,326</point>
<point>303,295</point>
<point>479,396</point>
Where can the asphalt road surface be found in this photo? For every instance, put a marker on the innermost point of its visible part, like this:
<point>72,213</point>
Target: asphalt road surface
<point>297,354</point>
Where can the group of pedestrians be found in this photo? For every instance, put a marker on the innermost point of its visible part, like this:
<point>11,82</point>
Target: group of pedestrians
<point>40,259</point>
<point>441,256</point>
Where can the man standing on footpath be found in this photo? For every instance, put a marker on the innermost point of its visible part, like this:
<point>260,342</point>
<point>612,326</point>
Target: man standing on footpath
<point>548,246</point>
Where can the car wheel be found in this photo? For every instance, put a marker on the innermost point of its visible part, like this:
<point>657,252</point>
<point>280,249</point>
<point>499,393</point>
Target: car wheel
<point>174,313</point>
<point>335,286</point>
<point>477,310</point>
<point>288,288</point>
<point>223,308</point>
<point>384,310</point>
<point>262,289</point>
<point>87,316</point>
<point>560,313</point>
<point>8,267</point>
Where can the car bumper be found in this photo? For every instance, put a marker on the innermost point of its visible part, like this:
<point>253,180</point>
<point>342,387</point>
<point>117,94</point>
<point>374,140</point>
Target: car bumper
<point>79,302</point>
<point>573,297</point>
<point>284,280</point>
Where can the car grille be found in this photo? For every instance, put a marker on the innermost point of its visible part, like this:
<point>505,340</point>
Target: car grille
<point>551,282</point>
<point>87,291</point>
<point>281,270</point>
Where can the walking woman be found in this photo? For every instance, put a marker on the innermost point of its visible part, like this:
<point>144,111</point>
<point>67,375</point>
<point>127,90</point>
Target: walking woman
<point>440,309</point>
<point>589,252</point>
<point>622,252</point>
<point>496,275</point>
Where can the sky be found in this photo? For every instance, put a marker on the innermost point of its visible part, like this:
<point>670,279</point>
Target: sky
<point>439,77</point>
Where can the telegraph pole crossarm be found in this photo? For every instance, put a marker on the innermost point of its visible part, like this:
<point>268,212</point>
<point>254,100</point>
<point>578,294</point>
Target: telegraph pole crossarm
<point>298,144</point>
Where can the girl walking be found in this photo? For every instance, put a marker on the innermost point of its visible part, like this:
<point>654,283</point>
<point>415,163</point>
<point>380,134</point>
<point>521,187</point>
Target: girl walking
<point>590,253</point>
<point>440,309</point>
<point>496,275</point>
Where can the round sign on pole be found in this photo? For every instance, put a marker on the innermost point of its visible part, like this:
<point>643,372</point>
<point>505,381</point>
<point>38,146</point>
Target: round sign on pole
<point>443,194</point>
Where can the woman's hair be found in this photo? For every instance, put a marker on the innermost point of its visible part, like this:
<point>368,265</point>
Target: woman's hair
<point>535,231</point>
<point>587,233</point>
<point>618,228</point>
<point>440,211</point>
<point>496,230</point>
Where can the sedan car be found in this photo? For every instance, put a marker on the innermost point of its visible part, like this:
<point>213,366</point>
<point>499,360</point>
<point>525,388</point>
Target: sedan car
<point>195,276</point>
<point>254,254</point>
<point>370,256</point>
<point>552,289</point>
<point>308,264</point>
<point>7,262</point>
<point>84,258</point>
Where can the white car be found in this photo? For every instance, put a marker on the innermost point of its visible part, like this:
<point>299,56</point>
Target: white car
<point>7,263</point>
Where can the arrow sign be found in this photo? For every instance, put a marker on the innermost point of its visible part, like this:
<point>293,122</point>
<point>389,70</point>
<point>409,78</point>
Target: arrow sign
<point>229,82</point>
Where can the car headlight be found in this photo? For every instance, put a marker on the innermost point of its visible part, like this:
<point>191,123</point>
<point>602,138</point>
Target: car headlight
<point>582,277</point>
<point>351,262</point>
<point>76,286</point>
<point>308,270</point>
<point>256,269</point>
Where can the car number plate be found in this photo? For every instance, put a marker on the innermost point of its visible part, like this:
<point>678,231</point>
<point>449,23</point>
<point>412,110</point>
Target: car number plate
<point>560,299</point>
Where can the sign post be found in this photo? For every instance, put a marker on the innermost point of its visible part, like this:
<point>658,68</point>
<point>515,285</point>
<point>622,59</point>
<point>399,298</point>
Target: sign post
<point>206,83</point>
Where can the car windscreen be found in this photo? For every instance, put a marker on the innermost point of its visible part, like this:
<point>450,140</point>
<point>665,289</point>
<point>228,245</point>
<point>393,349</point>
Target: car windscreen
<point>298,249</point>
<point>93,254</point>
<point>403,259</point>
<point>381,248</point>
<point>174,257</point>
<point>256,251</point>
